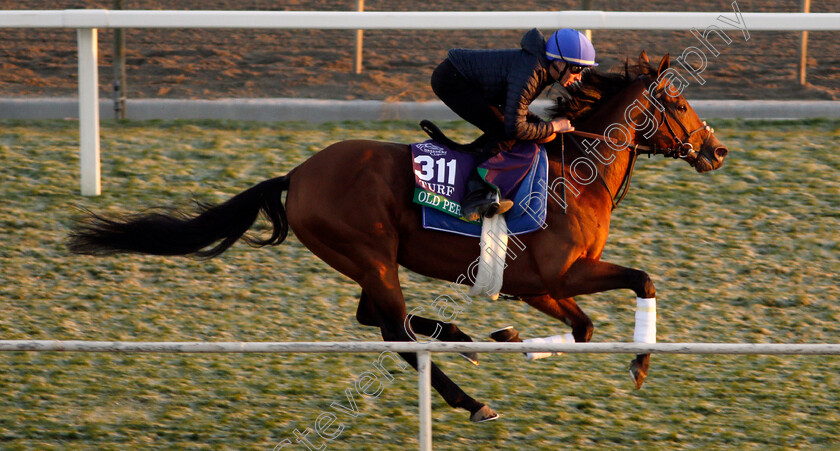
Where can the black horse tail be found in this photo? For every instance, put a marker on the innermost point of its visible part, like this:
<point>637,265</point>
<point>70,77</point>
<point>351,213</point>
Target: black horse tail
<point>187,234</point>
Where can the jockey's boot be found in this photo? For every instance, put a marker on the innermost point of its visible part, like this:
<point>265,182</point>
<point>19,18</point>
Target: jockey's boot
<point>482,200</point>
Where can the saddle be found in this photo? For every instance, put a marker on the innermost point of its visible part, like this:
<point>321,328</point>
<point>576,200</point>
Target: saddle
<point>442,166</point>
<point>436,134</point>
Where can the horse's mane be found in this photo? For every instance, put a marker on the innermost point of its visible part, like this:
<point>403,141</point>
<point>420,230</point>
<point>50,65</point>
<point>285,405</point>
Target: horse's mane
<point>583,99</point>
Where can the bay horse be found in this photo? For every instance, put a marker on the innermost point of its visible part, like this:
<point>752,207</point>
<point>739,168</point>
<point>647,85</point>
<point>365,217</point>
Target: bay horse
<point>351,205</point>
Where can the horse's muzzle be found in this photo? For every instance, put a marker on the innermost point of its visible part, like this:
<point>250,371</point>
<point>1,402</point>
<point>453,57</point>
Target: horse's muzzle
<point>711,156</point>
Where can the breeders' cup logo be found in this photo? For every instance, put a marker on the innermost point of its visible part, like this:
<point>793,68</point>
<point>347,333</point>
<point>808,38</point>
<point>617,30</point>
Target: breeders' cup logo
<point>431,149</point>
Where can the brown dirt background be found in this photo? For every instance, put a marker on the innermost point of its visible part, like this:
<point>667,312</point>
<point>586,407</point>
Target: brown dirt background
<point>208,64</point>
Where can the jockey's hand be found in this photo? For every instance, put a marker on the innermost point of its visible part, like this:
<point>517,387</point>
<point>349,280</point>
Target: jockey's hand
<point>562,125</point>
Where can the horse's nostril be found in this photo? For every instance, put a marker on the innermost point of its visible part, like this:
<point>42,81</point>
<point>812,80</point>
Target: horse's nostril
<point>721,153</point>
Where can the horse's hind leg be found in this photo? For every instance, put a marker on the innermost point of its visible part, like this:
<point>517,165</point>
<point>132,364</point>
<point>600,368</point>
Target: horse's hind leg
<point>565,310</point>
<point>366,315</point>
<point>443,332</point>
<point>360,240</point>
<point>385,304</point>
<point>383,291</point>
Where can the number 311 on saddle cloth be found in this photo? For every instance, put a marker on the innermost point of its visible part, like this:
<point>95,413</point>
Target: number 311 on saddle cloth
<point>440,177</point>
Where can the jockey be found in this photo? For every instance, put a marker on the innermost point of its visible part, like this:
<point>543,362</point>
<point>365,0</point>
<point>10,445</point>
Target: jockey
<point>492,89</point>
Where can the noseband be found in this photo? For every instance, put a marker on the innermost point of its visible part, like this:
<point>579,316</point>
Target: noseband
<point>682,148</point>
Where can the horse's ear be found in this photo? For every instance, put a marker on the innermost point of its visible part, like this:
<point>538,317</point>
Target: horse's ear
<point>644,61</point>
<point>664,65</point>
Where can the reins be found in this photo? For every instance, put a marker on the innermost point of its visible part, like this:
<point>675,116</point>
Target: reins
<point>624,187</point>
<point>683,149</point>
<point>641,148</point>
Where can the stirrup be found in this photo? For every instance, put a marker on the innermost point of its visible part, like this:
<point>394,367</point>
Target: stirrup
<point>498,206</point>
<point>501,207</point>
<point>487,208</point>
<point>506,334</point>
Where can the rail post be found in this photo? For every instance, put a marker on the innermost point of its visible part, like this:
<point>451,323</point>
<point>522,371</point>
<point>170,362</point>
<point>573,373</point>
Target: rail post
<point>88,112</point>
<point>424,376</point>
<point>360,36</point>
<point>585,6</point>
<point>119,68</point>
<point>803,45</point>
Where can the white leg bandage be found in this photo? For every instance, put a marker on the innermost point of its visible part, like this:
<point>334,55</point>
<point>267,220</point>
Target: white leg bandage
<point>645,321</point>
<point>567,338</point>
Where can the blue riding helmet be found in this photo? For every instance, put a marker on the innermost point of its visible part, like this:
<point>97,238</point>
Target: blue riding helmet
<point>570,46</point>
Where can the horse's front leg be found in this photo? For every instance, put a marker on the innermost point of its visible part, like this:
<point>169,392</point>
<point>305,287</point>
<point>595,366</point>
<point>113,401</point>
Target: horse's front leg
<point>565,310</point>
<point>587,276</point>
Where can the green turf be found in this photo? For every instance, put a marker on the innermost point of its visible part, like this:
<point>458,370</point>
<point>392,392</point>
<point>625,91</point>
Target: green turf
<point>745,254</point>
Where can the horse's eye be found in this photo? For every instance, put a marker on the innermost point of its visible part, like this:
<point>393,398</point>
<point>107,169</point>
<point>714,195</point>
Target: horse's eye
<point>682,108</point>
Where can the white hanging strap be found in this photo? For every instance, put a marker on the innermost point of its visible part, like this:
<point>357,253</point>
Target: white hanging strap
<point>491,263</point>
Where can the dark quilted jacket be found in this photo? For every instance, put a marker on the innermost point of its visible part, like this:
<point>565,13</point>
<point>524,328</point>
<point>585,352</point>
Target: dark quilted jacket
<point>511,79</point>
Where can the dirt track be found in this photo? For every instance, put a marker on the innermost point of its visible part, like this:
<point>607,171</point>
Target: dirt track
<point>206,64</point>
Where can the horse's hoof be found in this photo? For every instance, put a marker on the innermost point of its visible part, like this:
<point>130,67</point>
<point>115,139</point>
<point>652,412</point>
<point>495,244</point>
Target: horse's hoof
<point>484,414</point>
<point>505,335</point>
<point>471,356</point>
<point>639,369</point>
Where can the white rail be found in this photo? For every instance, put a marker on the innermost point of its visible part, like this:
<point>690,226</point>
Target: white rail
<point>190,347</point>
<point>88,21</point>
<point>423,351</point>
<point>413,20</point>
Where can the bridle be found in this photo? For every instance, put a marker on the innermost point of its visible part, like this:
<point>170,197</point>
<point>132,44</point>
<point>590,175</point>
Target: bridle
<point>681,148</point>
